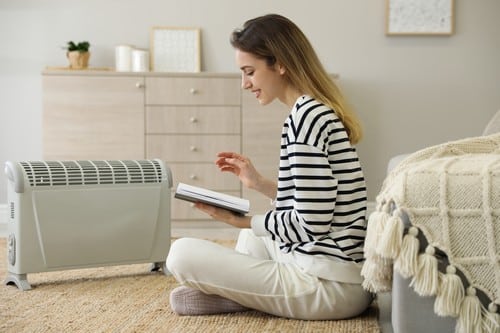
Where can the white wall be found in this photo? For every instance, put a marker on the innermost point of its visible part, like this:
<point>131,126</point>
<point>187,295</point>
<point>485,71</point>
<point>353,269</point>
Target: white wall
<point>410,92</point>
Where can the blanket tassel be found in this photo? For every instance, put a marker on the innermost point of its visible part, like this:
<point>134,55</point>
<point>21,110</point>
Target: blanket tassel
<point>407,261</point>
<point>426,281</point>
<point>376,225</point>
<point>469,320</point>
<point>376,270</point>
<point>391,238</point>
<point>491,321</point>
<point>450,294</point>
<point>371,230</point>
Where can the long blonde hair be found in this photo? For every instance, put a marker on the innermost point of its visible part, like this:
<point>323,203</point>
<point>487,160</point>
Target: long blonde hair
<point>278,40</point>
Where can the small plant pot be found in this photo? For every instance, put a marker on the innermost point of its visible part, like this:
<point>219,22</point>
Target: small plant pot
<point>78,60</point>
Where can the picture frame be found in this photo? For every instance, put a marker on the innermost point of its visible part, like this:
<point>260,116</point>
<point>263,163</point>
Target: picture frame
<point>175,49</point>
<point>419,17</point>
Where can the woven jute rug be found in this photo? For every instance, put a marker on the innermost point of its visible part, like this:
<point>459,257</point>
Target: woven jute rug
<point>129,298</point>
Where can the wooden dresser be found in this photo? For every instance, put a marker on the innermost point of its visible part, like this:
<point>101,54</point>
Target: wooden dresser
<point>183,119</point>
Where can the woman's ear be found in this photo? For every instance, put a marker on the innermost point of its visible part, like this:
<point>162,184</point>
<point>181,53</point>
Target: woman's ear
<point>282,69</point>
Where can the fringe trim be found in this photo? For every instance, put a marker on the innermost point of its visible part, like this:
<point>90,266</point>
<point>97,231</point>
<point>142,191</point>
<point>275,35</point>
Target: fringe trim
<point>376,270</point>
<point>491,322</point>
<point>469,320</point>
<point>371,232</point>
<point>426,281</point>
<point>386,247</point>
<point>391,238</point>
<point>450,295</point>
<point>407,261</point>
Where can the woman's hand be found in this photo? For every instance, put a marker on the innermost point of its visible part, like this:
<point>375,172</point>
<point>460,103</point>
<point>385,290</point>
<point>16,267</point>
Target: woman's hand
<point>243,168</point>
<point>224,215</point>
<point>239,165</point>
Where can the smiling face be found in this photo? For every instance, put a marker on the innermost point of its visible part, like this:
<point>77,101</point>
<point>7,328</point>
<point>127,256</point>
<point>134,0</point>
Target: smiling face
<point>265,82</point>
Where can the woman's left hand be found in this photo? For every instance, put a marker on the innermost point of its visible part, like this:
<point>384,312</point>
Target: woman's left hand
<point>224,215</point>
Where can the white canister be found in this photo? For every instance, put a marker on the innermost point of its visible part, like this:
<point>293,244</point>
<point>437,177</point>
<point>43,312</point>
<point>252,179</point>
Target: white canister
<point>123,58</point>
<point>140,60</point>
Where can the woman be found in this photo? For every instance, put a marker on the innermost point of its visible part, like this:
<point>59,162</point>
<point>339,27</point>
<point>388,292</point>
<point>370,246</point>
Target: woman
<point>303,258</point>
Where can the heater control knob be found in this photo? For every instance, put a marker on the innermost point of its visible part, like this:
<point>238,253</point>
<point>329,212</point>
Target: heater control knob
<point>11,249</point>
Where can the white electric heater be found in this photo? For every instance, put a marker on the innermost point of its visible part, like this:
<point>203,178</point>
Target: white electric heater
<point>78,214</point>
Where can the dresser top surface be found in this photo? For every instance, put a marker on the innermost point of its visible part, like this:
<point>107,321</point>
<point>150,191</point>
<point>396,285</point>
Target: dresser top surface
<point>49,71</point>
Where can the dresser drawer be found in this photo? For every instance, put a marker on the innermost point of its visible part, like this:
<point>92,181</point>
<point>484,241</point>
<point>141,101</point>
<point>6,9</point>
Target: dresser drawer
<point>190,148</point>
<point>193,119</point>
<point>92,117</point>
<point>203,175</point>
<point>185,210</point>
<point>192,91</point>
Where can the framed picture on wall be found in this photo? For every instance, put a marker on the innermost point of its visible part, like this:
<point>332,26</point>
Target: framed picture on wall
<point>419,17</point>
<point>175,49</point>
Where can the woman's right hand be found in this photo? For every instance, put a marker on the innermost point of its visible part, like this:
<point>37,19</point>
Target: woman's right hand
<point>239,165</point>
<point>243,168</point>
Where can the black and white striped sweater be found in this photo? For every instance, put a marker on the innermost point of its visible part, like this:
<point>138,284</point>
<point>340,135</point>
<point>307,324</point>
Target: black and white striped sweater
<point>321,200</point>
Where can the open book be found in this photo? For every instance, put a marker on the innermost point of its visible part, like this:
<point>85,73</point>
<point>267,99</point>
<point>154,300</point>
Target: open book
<point>198,194</point>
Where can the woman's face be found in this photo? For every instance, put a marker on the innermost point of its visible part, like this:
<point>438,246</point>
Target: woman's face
<point>266,83</point>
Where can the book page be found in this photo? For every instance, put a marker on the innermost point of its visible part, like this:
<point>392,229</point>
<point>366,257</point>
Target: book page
<point>194,194</point>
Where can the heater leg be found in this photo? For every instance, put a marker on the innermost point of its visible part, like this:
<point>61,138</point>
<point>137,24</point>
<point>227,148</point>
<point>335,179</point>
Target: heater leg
<point>20,280</point>
<point>155,267</point>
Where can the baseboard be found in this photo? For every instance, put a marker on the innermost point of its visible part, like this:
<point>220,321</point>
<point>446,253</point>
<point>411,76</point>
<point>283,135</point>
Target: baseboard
<point>3,220</point>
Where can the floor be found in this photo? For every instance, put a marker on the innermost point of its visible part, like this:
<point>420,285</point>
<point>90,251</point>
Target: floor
<point>214,230</point>
<point>217,230</point>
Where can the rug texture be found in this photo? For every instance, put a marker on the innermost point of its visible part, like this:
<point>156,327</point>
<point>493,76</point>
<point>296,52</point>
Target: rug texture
<point>131,299</point>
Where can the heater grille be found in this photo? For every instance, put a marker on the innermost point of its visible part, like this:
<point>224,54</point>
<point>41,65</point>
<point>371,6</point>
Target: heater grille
<point>64,173</point>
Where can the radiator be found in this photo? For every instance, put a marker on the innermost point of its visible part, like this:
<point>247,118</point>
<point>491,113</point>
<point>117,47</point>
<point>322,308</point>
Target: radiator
<point>80,214</point>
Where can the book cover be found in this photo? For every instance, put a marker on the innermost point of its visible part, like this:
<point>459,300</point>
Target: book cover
<point>198,194</point>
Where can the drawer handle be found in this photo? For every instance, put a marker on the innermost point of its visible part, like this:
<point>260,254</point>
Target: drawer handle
<point>193,120</point>
<point>193,91</point>
<point>193,177</point>
<point>139,85</point>
<point>193,148</point>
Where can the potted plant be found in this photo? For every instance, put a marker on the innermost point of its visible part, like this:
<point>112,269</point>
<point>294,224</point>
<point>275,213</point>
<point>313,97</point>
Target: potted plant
<point>78,54</point>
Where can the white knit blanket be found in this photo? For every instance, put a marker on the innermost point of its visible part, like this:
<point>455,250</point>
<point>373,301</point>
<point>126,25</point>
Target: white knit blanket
<point>451,194</point>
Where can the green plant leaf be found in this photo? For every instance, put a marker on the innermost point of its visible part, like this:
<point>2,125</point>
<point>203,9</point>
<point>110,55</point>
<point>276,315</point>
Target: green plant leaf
<point>81,46</point>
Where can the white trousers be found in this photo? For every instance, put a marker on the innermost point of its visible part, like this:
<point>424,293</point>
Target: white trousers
<point>256,274</point>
